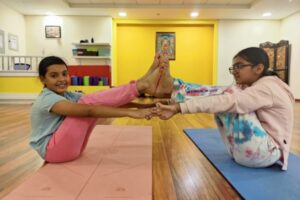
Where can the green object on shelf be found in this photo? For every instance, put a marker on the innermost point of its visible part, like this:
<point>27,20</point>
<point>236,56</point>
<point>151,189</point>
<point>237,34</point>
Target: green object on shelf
<point>86,80</point>
<point>100,83</point>
<point>104,51</point>
<point>92,49</point>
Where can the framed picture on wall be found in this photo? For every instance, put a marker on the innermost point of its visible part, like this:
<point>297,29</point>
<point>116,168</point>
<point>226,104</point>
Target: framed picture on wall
<point>53,31</point>
<point>13,42</point>
<point>2,40</point>
<point>165,43</point>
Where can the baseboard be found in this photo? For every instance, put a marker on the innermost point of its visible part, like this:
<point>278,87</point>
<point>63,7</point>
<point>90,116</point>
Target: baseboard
<point>17,98</point>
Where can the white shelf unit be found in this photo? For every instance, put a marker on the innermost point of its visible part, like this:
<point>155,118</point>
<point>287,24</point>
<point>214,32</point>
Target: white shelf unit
<point>92,57</point>
<point>91,44</point>
<point>97,46</point>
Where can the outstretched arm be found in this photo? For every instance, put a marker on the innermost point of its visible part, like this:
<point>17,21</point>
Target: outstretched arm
<point>68,108</point>
<point>144,105</point>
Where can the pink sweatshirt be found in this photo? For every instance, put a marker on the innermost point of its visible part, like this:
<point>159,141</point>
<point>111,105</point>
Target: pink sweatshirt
<point>269,97</point>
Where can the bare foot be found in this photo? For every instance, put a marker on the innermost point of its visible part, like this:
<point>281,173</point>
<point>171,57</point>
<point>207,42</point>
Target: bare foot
<point>157,81</point>
<point>147,84</point>
<point>157,62</point>
<point>157,84</point>
<point>164,85</point>
<point>154,65</point>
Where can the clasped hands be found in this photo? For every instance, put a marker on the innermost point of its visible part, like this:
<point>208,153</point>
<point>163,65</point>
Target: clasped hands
<point>160,110</point>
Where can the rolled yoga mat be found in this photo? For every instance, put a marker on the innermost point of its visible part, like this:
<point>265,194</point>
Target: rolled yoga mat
<point>269,183</point>
<point>91,80</point>
<point>96,80</point>
<point>74,80</point>
<point>80,80</point>
<point>104,80</point>
<point>86,80</point>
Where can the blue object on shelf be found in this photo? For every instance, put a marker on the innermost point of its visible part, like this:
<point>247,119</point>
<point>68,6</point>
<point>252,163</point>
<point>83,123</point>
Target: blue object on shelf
<point>74,80</point>
<point>22,66</point>
<point>80,80</point>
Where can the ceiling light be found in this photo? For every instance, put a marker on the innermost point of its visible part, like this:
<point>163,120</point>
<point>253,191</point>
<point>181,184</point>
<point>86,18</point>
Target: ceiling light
<point>267,14</point>
<point>122,14</point>
<point>194,14</point>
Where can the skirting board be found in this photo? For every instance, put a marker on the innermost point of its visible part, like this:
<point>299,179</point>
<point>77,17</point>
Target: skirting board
<point>17,98</point>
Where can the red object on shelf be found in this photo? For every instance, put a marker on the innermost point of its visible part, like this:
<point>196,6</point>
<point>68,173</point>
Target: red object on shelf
<point>90,70</point>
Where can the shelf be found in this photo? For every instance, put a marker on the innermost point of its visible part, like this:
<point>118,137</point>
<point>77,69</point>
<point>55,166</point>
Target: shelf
<point>92,57</point>
<point>91,44</point>
<point>87,89</point>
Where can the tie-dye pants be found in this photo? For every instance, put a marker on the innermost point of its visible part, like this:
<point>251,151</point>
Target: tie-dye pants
<point>246,140</point>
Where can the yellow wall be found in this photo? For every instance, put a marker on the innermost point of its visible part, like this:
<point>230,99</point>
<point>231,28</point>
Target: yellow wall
<point>134,48</point>
<point>20,85</point>
<point>195,50</point>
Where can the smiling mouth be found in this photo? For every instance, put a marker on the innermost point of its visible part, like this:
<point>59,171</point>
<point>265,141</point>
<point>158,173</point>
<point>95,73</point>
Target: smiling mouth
<point>61,85</point>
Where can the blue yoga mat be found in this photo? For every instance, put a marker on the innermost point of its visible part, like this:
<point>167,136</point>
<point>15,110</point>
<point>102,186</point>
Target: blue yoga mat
<point>261,183</point>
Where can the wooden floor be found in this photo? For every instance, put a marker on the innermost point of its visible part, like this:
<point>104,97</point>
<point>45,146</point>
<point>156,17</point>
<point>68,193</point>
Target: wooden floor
<point>180,171</point>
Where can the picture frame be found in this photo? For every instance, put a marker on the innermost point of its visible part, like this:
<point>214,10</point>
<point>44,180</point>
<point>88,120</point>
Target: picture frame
<point>53,31</point>
<point>13,42</point>
<point>165,43</point>
<point>2,42</point>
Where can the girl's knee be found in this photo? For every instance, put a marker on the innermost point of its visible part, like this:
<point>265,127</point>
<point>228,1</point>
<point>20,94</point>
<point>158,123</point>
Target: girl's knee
<point>83,100</point>
<point>62,158</point>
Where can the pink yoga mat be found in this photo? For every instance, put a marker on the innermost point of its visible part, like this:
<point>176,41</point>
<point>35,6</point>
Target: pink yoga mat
<point>116,165</point>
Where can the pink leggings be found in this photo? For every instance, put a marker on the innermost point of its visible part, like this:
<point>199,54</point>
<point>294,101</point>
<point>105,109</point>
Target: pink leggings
<point>70,139</point>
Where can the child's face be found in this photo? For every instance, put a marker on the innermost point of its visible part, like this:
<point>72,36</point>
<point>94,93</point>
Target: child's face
<point>56,78</point>
<point>245,73</point>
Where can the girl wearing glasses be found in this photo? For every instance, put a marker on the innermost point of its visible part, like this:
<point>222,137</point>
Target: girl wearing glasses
<point>255,116</point>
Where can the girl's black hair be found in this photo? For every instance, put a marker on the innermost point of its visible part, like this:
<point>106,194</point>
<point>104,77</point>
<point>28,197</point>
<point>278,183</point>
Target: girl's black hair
<point>255,56</point>
<point>48,61</point>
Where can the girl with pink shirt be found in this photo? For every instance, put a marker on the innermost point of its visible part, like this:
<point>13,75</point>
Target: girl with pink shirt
<point>254,117</point>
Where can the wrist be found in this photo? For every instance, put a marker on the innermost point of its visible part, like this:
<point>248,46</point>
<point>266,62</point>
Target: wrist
<point>177,107</point>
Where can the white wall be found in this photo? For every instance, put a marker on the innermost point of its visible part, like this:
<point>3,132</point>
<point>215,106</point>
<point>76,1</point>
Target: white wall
<point>73,29</point>
<point>235,35</point>
<point>290,30</point>
<point>12,22</point>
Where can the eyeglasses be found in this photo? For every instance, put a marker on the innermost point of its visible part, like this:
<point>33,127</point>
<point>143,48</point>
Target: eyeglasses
<point>237,67</point>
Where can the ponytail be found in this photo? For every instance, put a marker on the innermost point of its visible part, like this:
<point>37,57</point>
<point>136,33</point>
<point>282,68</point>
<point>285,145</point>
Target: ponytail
<point>269,73</point>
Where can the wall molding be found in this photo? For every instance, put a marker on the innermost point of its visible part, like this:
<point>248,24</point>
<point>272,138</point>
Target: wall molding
<point>17,98</point>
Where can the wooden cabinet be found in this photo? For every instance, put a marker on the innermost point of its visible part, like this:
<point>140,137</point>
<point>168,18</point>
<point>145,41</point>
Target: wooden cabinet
<point>279,58</point>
